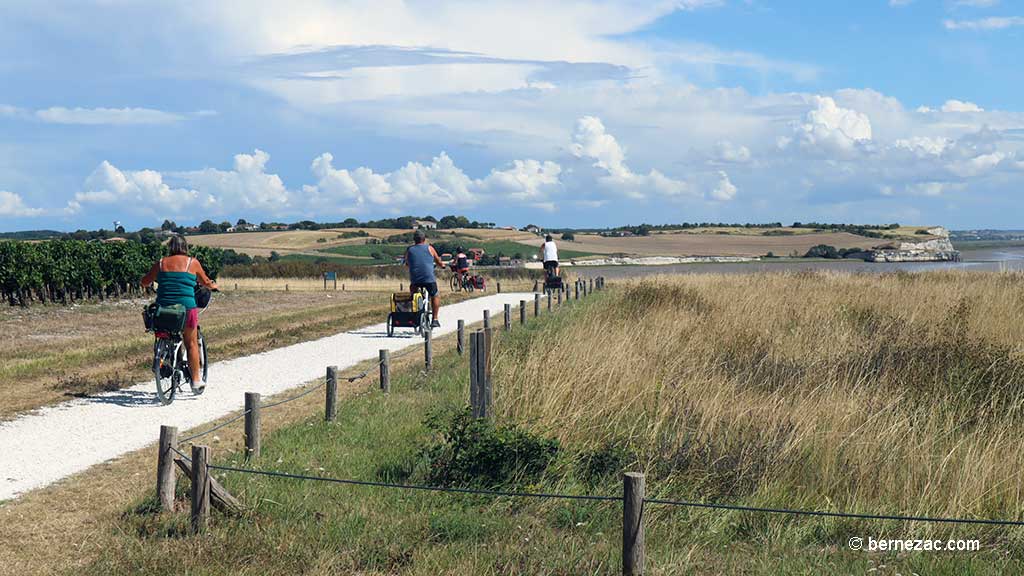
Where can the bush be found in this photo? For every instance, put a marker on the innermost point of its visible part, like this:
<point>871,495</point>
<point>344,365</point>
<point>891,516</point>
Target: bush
<point>568,237</point>
<point>477,452</point>
<point>823,251</point>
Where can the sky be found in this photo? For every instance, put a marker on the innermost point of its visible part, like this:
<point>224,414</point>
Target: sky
<point>563,114</point>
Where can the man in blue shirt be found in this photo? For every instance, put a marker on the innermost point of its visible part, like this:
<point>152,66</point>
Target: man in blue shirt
<point>421,259</point>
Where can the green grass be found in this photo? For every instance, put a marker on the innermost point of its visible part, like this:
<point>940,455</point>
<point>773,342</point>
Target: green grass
<point>307,527</point>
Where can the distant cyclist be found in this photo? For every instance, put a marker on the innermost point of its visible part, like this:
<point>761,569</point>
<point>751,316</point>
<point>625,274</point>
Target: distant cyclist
<point>177,277</point>
<point>549,255</point>
<point>421,258</point>
<point>461,265</point>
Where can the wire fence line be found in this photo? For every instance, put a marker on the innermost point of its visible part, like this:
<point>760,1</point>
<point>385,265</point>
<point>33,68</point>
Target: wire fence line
<point>414,486</point>
<point>798,512</point>
<point>606,498</point>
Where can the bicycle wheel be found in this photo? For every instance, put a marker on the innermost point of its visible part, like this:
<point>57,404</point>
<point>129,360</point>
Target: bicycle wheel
<point>163,370</point>
<point>200,387</point>
<point>454,284</point>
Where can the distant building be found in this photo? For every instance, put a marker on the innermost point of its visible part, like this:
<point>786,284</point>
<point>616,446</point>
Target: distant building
<point>504,261</point>
<point>533,229</point>
<point>426,224</point>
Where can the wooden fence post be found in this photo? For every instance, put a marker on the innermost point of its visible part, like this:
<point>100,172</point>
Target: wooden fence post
<point>480,392</point>
<point>331,398</point>
<point>200,490</point>
<point>487,319</point>
<point>460,338</point>
<point>499,286</point>
<point>385,371</point>
<point>633,524</point>
<point>252,425</point>
<point>285,287</point>
<point>536,304</point>
<point>474,373</point>
<point>522,312</point>
<point>236,285</point>
<point>535,284</point>
<point>165,479</point>
<point>591,289</point>
<point>428,350</point>
<point>401,287</point>
<point>577,290</point>
<point>508,317</point>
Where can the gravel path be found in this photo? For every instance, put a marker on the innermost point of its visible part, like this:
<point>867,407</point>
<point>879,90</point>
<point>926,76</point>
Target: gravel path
<point>43,447</point>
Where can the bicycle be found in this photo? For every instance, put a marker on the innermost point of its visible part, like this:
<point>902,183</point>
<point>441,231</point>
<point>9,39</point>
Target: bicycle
<point>456,285</point>
<point>170,364</point>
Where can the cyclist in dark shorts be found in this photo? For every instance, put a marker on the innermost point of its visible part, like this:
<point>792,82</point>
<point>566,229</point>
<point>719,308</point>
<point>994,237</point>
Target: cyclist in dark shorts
<point>421,258</point>
<point>549,255</point>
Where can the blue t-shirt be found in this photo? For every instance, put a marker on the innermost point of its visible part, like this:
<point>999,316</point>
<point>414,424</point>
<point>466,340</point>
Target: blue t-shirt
<point>421,264</point>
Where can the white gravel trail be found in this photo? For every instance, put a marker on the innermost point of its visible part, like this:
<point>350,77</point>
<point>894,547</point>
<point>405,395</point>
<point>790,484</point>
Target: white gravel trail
<point>45,446</point>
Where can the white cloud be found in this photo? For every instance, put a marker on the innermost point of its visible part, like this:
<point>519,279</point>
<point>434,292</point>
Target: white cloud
<point>439,183</point>
<point>248,186</point>
<point>991,23</point>
<point>726,151</point>
<point>961,106</point>
<point>924,145</point>
<point>12,205</point>
<point>725,190</point>
<point>527,180</point>
<point>141,191</point>
<point>591,141</point>
<point>830,126</point>
<point>976,3</point>
<point>96,116</point>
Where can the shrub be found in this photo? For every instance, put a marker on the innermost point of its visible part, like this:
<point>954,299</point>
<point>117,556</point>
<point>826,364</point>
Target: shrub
<point>477,451</point>
<point>822,251</point>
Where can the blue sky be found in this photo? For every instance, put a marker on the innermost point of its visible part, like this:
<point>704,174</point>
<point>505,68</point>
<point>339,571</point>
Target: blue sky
<point>570,114</point>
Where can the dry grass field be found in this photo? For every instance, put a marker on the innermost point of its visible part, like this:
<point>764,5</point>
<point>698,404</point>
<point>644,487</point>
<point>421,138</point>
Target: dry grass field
<point>895,393</point>
<point>692,244</point>
<point>363,284</point>
<point>287,242</point>
<point>310,241</point>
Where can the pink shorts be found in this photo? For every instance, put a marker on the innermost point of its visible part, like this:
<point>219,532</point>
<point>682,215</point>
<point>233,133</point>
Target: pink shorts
<point>192,318</point>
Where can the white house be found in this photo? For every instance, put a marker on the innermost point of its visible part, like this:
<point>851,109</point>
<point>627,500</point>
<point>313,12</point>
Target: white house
<point>426,224</point>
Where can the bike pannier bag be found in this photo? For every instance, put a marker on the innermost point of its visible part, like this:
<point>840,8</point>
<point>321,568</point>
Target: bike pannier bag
<point>148,314</point>
<point>478,282</point>
<point>170,318</point>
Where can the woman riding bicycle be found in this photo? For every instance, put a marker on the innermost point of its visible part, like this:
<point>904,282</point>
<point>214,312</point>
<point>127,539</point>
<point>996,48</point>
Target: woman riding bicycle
<point>461,266</point>
<point>177,276</point>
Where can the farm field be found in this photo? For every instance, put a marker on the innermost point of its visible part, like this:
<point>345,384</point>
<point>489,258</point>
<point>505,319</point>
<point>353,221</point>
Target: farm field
<point>495,247</point>
<point>287,241</point>
<point>695,244</point>
<point>309,242</point>
<point>887,394</point>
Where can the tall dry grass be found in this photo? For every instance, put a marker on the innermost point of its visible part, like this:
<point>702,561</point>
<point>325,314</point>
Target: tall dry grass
<point>875,393</point>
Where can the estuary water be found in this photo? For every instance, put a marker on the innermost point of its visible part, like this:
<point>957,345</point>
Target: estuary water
<point>994,259</point>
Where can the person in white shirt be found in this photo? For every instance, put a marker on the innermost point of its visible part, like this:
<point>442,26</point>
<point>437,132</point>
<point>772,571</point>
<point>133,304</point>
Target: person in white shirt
<point>549,255</point>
